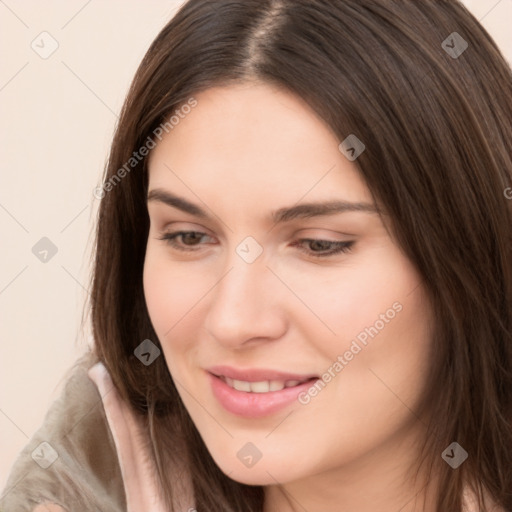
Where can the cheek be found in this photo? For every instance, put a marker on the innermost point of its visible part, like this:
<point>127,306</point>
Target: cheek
<point>345,301</point>
<point>380,315</point>
<point>386,336</point>
<point>172,292</point>
<point>160,296</point>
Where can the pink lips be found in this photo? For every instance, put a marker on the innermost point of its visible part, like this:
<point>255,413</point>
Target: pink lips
<point>255,405</point>
<point>257,375</point>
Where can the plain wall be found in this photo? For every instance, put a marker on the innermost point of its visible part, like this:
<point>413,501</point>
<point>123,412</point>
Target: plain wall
<point>57,116</point>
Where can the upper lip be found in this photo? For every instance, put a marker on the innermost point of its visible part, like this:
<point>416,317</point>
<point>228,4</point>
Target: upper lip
<point>257,374</point>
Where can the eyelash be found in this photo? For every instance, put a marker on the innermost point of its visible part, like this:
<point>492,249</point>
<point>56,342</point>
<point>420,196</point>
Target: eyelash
<point>341,247</point>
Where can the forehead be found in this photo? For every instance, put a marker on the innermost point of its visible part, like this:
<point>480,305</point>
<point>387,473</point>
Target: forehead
<point>255,143</point>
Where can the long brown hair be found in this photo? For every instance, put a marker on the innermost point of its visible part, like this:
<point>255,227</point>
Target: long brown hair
<point>437,130</point>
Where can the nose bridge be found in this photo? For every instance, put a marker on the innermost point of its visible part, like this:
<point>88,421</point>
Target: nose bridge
<point>242,288</point>
<point>243,303</point>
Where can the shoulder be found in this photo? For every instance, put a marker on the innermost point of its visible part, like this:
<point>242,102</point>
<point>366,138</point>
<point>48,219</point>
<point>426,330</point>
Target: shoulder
<point>71,460</point>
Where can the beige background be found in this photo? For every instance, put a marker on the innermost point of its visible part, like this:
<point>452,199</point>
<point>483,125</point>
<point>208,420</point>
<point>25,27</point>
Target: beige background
<point>57,116</point>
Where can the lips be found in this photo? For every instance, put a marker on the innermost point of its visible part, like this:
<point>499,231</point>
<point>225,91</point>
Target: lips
<point>258,374</point>
<point>254,393</point>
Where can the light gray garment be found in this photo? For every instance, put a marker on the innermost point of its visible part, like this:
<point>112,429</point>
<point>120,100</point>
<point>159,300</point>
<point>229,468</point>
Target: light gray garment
<point>85,475</point>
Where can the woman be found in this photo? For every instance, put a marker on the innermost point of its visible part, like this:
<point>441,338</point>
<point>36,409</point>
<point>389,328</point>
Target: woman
<point>302,288</point>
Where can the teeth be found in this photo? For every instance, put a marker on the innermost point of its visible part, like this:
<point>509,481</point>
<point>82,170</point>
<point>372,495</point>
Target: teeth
<point>241,385</point>
<point>276,385</point>
<point>259,387</point>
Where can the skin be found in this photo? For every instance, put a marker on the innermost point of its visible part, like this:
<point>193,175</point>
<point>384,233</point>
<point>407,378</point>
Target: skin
<point>242,152</point>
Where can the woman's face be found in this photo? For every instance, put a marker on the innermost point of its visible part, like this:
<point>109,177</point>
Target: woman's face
<point>257,298</point>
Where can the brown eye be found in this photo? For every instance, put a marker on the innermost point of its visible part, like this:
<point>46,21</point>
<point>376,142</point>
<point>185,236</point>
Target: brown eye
<point>321,248</point>
<point>188,239</point>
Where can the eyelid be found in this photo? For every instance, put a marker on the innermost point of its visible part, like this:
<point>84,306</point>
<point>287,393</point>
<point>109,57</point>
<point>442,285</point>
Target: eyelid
<point>320,233</point>
<point>172,226</point>
<point>340,246</point>
<point>288,232</point>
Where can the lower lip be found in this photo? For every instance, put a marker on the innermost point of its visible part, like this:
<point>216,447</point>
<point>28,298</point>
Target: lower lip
<point>255,405</point>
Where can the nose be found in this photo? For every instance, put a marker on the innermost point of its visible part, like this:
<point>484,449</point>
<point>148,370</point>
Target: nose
<point>245,305</point>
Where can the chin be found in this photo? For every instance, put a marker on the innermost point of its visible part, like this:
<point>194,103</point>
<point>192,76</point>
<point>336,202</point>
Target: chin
<point>263,472</point>
<point>251,476</point>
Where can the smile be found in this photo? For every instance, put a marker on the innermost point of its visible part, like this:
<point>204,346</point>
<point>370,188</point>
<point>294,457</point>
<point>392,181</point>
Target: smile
<point>258,398</point>
<point>264,386</point>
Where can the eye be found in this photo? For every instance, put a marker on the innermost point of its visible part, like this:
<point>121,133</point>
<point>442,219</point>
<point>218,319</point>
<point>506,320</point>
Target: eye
<point>320,248</point>
<point>189,239</point>
<point>317,248</point>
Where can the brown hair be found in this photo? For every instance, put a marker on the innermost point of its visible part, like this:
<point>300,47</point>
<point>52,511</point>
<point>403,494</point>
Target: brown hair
<point>438,137</point>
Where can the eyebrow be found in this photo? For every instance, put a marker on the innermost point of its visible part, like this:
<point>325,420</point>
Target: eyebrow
<point>299,211</point>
